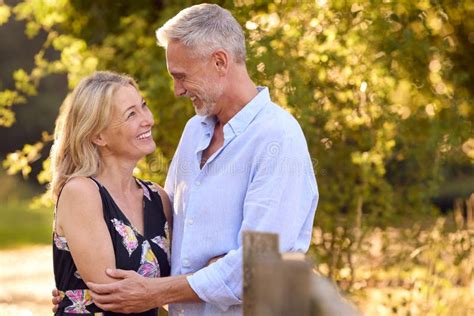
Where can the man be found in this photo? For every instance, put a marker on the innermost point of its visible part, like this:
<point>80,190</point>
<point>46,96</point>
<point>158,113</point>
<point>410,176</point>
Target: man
<point>242,164</point>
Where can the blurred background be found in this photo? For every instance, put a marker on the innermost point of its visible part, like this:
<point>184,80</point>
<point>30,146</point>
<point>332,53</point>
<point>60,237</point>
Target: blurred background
<point>384,91</point>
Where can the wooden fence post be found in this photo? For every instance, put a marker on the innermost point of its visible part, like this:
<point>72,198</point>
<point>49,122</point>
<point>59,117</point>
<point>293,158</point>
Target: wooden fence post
<point>470,211</point>
<point>279,286</point>
<point>282,288</point>
<point>255,246</point>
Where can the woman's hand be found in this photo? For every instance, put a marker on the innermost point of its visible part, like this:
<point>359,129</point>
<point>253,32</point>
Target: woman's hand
<point>55,300</point>
<point>212,260</point>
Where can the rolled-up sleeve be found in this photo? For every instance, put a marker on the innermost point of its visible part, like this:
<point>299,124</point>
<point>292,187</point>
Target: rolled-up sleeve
<point>281,198</point>
<point>221,282</point>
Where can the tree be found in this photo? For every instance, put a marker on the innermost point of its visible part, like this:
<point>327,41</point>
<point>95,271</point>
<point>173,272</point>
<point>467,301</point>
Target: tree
<point>383,90</point>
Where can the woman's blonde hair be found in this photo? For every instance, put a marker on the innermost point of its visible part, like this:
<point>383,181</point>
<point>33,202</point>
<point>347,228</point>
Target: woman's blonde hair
<point>85,113</point>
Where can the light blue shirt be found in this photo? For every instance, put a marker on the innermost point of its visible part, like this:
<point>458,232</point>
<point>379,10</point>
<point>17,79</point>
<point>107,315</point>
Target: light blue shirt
<point>261,179</point>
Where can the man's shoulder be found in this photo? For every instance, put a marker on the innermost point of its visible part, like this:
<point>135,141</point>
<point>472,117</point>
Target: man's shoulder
<point>277,121</point>
<point>193,122</point>
<point>192,125</point>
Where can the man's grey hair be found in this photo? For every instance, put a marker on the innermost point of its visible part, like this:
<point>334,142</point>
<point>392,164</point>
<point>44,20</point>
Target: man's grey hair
<point>205,28</point>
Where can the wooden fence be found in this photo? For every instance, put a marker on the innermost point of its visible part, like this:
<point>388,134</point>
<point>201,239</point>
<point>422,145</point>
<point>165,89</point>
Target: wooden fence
<point>284,284</point>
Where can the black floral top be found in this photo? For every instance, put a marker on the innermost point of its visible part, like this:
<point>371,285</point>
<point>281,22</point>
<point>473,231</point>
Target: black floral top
<point>149,255</point>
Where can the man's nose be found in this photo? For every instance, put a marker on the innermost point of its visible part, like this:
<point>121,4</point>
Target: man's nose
<point>179,89</point>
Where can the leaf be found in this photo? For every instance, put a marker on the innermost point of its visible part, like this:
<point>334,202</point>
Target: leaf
<point>5,13</point>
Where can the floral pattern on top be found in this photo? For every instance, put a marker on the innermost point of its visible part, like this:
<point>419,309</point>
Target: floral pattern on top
<point>129,239</point>
<point>80,300</point>
<point>154,187</point>
<point>149,264</point>
<point>167,230</point>
<point>164,242</point>
<point>60,242</point>
<point>146,193</point>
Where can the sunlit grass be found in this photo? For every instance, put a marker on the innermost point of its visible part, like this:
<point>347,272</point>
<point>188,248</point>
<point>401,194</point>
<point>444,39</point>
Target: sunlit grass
<point>20,225</point>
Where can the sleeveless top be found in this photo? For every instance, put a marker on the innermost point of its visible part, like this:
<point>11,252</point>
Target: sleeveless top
<point>148,255</point>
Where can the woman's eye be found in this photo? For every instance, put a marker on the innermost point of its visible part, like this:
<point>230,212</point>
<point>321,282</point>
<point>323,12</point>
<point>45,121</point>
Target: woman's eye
<point>130,115</point>
<point>144,105</point>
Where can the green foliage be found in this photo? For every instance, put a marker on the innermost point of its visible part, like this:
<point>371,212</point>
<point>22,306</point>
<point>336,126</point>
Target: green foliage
<point>377,90</point>
<point>20,160</point>
<point>5,13</point>
<point>381,89</point>
<point>420,269</point>
<point>7,99</point>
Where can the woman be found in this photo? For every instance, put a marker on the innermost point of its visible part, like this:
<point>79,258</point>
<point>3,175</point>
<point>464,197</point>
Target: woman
<point>105,217</point>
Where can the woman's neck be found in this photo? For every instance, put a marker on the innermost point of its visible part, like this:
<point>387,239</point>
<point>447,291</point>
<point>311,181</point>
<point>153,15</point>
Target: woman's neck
<point>117,175</point>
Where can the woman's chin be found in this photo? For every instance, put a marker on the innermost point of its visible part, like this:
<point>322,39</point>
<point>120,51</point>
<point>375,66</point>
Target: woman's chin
<point>150,148</point>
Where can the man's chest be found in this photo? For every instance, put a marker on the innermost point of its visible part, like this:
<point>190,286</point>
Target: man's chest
<point>217,140</point>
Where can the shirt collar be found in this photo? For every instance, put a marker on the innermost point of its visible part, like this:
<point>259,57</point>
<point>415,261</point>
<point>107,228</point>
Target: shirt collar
<point>208,121</point>
<point>242,119</point>
<point>239,122</point>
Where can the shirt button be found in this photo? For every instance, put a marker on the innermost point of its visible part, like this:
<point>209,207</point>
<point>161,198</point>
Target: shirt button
<point>186,263</point>
<point>190,221</point>
<point>198,183</point>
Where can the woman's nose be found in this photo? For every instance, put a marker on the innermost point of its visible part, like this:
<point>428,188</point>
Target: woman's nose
<point>148,119</point>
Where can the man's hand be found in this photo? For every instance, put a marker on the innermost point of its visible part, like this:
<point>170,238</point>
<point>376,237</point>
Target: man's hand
<point>55,300</point>
<point>131,294</point>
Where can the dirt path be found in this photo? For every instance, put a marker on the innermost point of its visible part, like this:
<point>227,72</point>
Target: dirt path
<point>26,280</point>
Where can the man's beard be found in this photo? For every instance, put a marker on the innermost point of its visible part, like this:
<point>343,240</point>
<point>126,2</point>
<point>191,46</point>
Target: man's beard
<point>209,101</point>
<point>206,109</point>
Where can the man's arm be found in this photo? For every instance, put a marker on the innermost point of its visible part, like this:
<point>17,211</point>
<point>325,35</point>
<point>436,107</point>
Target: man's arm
<point>134,293</point>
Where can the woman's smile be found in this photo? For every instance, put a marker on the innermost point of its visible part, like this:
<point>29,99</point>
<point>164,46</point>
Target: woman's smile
<point>145,136</point>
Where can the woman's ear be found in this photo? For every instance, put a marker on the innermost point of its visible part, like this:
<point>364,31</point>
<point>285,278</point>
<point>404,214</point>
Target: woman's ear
<point>99,140</point>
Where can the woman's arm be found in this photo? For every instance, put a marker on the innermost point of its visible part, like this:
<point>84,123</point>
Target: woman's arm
<point>79,218</point>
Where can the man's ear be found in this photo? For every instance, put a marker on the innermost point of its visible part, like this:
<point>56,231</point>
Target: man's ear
<point>99,140</point>
<point>221,61</point>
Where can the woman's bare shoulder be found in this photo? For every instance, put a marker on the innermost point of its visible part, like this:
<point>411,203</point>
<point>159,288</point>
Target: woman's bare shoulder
<point>80,191</point>
<point>79,203</point>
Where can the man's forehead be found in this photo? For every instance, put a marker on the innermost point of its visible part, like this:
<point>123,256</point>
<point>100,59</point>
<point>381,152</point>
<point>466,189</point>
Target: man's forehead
<point>174,66</point>
<point>175,56</point>
<point>179,58</point>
